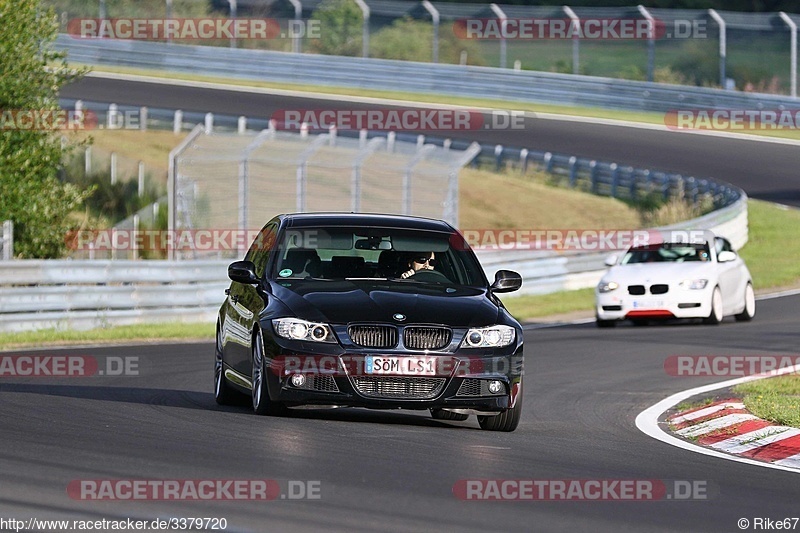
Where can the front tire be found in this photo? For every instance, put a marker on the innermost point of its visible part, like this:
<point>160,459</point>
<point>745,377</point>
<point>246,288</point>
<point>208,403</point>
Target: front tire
<point>605,323</point>
<point>223,393</point>
<point>262,405</point>
<point>508,420</point>
<point>749,310</point>
<point>715,317</point>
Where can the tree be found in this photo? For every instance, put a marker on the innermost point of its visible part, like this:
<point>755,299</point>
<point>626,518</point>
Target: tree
<point>31,74</point>
<point>341,22</point>
<point>412,40</point>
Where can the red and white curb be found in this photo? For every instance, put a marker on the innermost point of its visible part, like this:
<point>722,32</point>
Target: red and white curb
<point>725,429</point>
<point>729,427</point>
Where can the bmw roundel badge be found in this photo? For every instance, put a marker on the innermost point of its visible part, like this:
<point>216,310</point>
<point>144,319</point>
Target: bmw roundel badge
<point>399,317</point>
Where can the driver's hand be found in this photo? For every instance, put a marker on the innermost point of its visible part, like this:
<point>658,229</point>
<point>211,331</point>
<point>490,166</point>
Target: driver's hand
<point>408,273</point>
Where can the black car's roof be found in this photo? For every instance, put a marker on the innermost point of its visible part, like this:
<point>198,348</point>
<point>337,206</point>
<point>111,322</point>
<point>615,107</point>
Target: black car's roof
<point>298,220</point>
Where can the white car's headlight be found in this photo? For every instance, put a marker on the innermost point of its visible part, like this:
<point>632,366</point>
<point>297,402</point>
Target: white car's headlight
<point>607,286</point>
<point>302,330</point>
<point>489,337</point>
<point>694,284</point>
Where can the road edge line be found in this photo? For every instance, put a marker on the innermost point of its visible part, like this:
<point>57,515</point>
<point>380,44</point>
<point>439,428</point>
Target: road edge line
<point>647,420</point>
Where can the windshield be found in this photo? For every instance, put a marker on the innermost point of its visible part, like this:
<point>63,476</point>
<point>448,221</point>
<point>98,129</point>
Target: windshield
<point>332,253</point>
<point>667,253</point>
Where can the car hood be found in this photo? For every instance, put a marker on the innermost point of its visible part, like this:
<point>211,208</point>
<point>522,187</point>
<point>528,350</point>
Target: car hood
<point>644,273</point>
<point>346,301</point>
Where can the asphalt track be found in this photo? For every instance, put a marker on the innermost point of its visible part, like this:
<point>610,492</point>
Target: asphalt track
<point>396,471</point>
<point>767,171</point>
<point>393,471</point>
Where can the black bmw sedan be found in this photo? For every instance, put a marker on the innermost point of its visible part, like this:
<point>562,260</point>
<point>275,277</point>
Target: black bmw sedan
<point>374,311</point>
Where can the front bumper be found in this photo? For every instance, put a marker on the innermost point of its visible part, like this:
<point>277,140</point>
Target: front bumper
<point>349,395</point>
<point>460,381</point>
<point>677,303</point>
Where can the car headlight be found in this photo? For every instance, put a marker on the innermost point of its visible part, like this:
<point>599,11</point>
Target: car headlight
<point>489,337</point>
<point>607,286</point>
<point>302,330</point>
<point>694,284</point>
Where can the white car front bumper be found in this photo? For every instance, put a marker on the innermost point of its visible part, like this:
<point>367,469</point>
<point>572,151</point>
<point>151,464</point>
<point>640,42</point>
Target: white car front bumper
<point>676,303</point>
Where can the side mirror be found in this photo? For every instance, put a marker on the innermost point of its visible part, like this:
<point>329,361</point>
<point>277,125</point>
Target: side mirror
<point>506,281</point>
<point>726,256</point>
<point>243,272</point>
<point>611,260</point>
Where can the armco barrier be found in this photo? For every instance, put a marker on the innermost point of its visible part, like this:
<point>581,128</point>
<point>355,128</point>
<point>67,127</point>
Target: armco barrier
<point>491,83</point>
<point>86,294</point>
<point>36,294</point>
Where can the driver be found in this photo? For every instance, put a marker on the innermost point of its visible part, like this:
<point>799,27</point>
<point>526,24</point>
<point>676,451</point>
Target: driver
<point>417,262</point>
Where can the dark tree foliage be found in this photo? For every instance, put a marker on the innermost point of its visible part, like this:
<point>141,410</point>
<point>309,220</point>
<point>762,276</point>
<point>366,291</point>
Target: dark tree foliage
<point>31,74</point>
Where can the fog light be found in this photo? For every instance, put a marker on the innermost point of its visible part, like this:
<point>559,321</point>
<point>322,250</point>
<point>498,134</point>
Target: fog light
<point>495,386</point>
<point>298,380</point>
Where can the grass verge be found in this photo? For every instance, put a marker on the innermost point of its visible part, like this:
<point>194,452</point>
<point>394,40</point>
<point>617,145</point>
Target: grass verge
<point>774,245</point>
<point>687,405</point>
<point>557,303</point>
<point>775,399</point>
<point>138,333</point>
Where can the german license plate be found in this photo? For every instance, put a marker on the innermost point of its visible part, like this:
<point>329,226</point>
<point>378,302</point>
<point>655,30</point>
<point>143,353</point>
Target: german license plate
<point>404,366</point>
<point>647,304</point>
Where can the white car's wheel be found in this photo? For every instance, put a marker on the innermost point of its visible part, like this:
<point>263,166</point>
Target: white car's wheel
<point>715,317</point>
<point>749,310</point>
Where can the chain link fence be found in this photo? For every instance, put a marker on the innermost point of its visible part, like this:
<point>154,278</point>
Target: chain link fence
<point>728,49</point>
<point>237,182</point>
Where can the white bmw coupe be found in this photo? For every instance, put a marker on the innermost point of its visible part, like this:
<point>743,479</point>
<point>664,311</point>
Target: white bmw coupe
<point>699,279</point>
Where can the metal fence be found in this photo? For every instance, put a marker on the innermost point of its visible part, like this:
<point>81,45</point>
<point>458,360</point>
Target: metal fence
<point>215,166</point>
<point>485,83</point>
<point>755,51</point>
<point>239,181</point>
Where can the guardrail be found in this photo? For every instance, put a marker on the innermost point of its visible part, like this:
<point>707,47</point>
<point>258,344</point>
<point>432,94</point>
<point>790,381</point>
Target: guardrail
<point>63,294</point>
<point>66,294</point>
<point>486,83</point>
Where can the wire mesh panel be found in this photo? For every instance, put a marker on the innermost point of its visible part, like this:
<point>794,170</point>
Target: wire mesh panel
<point>237,182</point>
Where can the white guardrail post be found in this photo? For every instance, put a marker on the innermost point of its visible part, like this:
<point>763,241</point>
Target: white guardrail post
<point>8,240</point>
